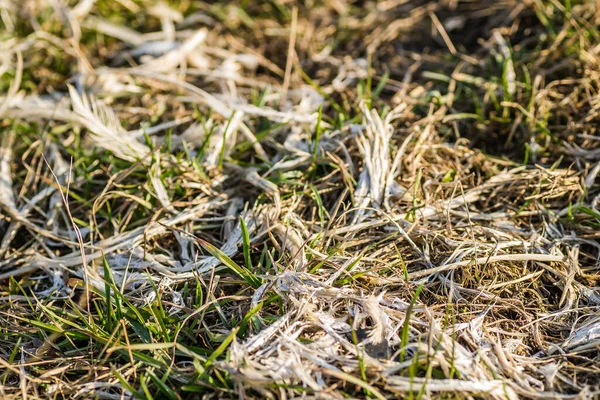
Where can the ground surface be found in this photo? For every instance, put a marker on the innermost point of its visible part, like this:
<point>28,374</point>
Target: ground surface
<point>299,200</point>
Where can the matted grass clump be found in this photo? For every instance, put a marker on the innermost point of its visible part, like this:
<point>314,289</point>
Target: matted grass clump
<point>299,199</point>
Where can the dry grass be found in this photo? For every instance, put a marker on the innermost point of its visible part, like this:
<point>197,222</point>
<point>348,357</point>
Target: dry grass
<point>299,200</point>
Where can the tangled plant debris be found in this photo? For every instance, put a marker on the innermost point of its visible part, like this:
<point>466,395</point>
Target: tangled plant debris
<point>299,200</point>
